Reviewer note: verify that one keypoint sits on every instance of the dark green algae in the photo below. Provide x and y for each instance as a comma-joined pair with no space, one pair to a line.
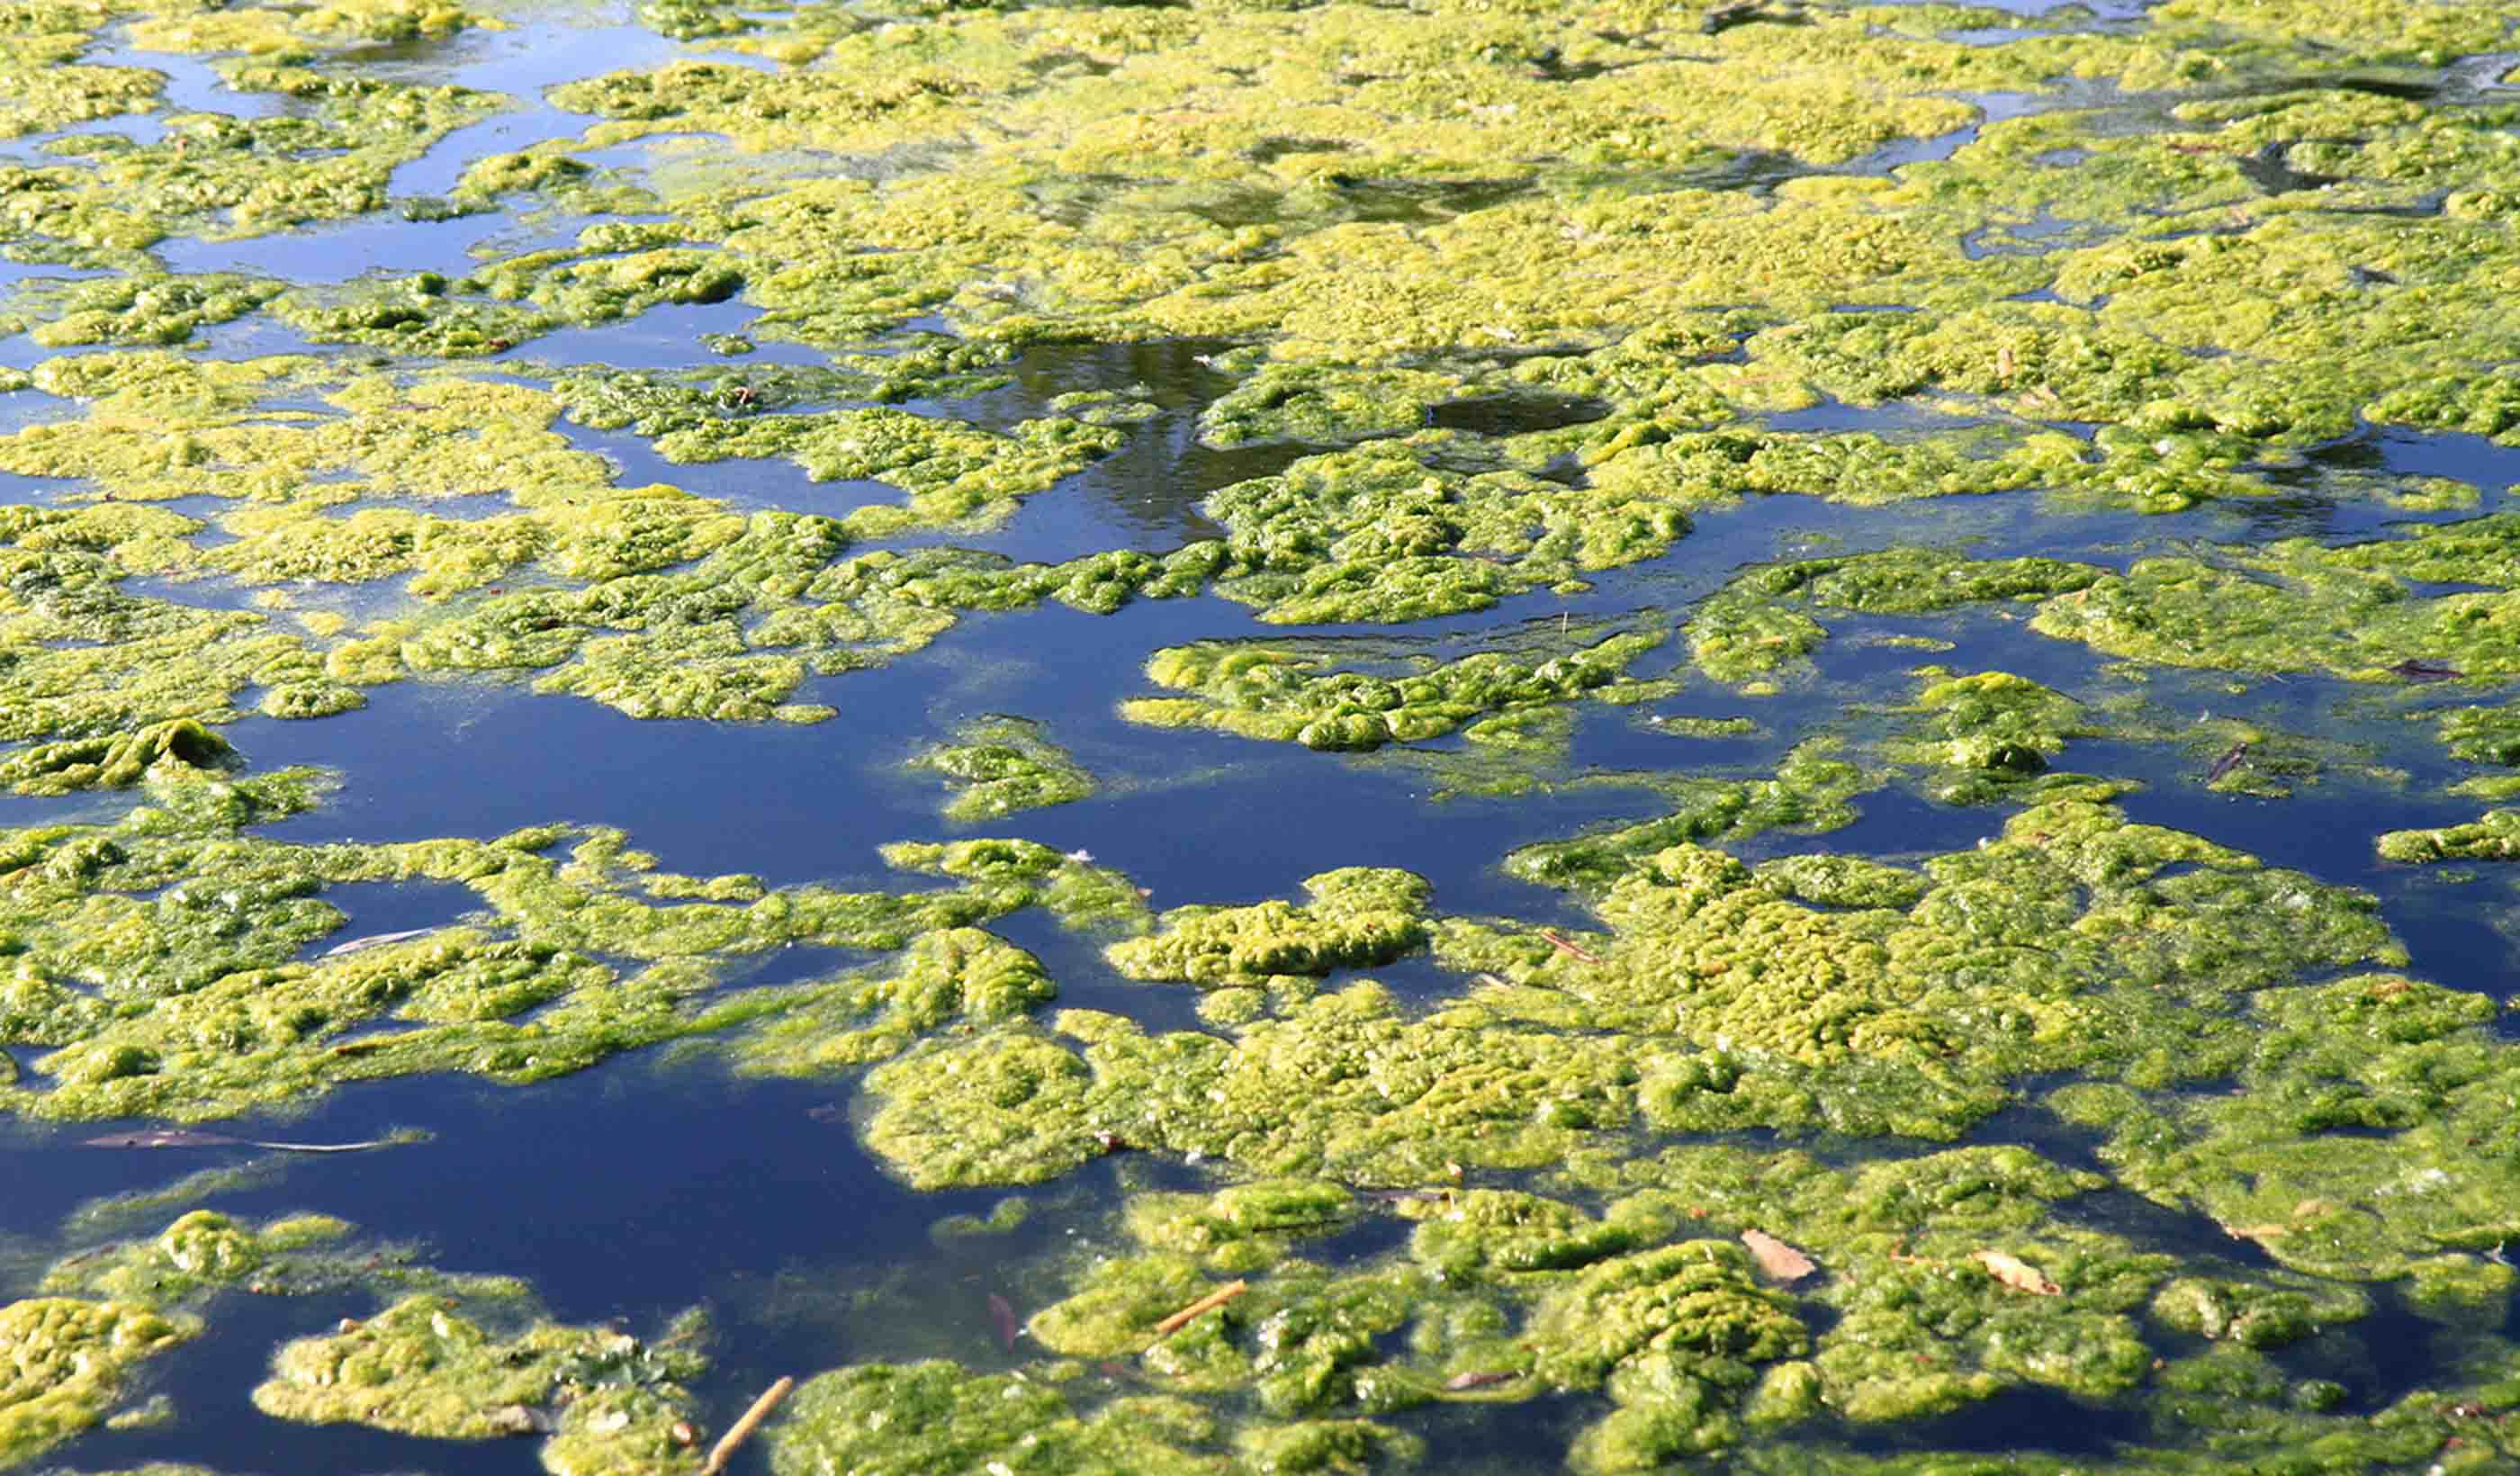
450,1357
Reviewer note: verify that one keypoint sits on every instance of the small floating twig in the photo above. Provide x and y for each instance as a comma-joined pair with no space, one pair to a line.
376,940
1209,1303
184,1137
1564,947
742,1430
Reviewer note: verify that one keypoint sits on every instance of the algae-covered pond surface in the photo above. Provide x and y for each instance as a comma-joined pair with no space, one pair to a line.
1259,736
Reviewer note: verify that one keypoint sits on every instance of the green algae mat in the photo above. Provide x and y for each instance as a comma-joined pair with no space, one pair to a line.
1247,737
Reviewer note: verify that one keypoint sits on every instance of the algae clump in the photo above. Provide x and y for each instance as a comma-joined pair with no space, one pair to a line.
67,1362
1005,764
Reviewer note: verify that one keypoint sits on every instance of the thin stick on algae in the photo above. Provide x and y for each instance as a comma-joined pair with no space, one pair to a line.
742,1430
1565,947
1209,1303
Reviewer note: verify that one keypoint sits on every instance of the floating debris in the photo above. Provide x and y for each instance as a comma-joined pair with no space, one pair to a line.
742,1430
1564,947
1777,1261
376,940
2016,1273
188,1137
1209,1303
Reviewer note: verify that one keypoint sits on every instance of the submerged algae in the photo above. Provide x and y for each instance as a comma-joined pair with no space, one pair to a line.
1758,625
1005,764
2353,1148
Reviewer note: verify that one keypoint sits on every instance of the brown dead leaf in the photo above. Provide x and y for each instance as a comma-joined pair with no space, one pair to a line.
1777,1261
2016,1273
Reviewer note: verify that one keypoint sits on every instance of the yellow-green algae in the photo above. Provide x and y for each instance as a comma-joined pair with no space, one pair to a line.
760,603
329,155
1713,1000
160,959
961,976
1505,1295
2347,1151
425,1365
1355,917
1377,197
67,1352
935,1416
1003,764
66,1360
422,1367
202,1252
1280,690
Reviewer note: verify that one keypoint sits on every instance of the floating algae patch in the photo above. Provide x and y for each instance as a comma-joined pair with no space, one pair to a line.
1320,405
138,309
1384,532
273,34
158,960
1282,690
937,1415
1812,789
202,1253
1527,297
1988,734
2494,835
1002,765
67,1362
1715,1001
424,1368
765,599
960,976
2346,1151
329,154
117,762
1760,624
698,402
429,1365
2289,609
1356,917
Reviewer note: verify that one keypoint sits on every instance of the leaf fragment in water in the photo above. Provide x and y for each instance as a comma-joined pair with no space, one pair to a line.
2016,1273
1777,1261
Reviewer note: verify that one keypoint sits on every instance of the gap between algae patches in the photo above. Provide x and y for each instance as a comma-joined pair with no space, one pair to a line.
2030,459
